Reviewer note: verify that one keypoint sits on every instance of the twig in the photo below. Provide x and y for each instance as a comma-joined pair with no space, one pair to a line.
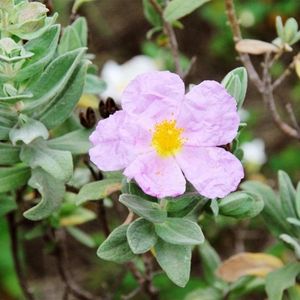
145,282
103,218
64,269
168,28
237,36
191,65
285,74
264,86
268,97
129,218
13,230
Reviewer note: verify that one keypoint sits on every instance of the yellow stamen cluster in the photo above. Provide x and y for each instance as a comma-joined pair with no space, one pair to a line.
166,138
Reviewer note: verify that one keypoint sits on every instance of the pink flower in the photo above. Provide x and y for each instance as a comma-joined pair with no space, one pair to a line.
163,136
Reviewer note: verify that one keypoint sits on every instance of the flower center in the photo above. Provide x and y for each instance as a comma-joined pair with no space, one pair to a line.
166,138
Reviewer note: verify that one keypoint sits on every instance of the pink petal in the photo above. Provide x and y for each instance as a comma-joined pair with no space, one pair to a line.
156,94
209,115
213,171
159,177
116,142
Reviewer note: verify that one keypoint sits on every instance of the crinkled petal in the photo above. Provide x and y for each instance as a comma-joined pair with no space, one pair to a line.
116,142
213,171
209,115
159,177
157,94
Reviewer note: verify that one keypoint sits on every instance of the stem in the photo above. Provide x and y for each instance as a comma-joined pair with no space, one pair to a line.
13,230
103,218
64,269
269,99
264,86
172,37
286,73
237,36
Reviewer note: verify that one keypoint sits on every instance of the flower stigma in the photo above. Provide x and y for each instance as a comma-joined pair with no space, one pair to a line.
167,138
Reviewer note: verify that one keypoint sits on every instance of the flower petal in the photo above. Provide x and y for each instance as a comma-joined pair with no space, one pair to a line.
213,171
116,142
156,91
159,177
209,115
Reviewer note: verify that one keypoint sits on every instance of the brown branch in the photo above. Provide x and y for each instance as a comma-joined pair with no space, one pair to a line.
102,216
264,86
286,73
237,36
268,97
145,282
168,28
64,269
13,230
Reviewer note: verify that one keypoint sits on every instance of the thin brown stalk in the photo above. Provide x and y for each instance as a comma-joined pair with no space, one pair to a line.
169,31
285,74
264,85
237,36
64,270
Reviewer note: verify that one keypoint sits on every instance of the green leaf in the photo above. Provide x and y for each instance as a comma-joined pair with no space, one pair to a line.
241,205
27,130
81,27
115,247
77,4
294,243
7,205
272,212
297,200
279,27
77,142
290,30
180,232
69,41
4,132
141,236
206,293
53,80
287,195
214,206
94,85
44,48
81,237
98,190
175,260
77,216
177,9
130,187
62,106
182,205
52,191
56,162
9,154
235,82
210,262
13,178
281,279
149,210
151,14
